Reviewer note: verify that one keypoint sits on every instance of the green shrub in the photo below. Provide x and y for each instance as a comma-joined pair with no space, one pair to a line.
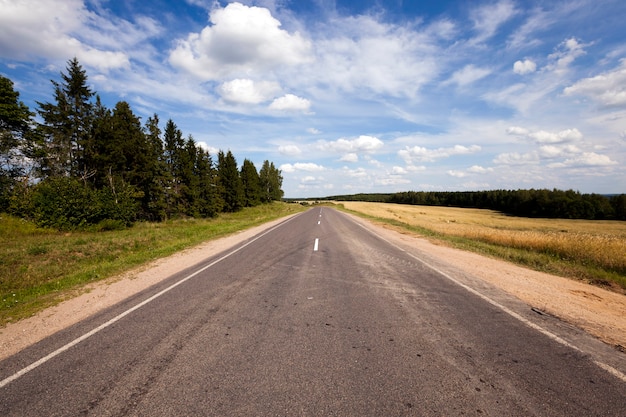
65,203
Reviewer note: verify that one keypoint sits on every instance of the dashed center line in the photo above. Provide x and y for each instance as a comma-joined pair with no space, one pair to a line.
316,245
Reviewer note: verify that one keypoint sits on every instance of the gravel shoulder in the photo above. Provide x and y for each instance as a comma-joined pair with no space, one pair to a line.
600,312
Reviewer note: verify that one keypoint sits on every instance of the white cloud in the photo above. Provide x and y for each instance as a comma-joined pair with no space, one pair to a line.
360,53
246,91
212,150
363,143
301,166
524,67
423,154
517,131
608,89
290,102
568,51
515,158
289,150
467,75
546,137
567,135
350,157
240,39
457,174
313,131
58,30
477,169
585,159
488,18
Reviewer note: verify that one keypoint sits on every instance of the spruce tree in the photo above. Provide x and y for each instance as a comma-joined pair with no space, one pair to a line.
15,126
271,181
251,185
67,124
230,182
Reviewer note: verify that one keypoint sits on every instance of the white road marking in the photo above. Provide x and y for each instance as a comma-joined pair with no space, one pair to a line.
319,221
510,312
316,246
73,343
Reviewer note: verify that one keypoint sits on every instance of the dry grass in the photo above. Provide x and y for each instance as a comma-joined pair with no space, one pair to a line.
584,249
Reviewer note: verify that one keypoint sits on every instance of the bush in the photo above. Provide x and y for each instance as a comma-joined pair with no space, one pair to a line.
68,204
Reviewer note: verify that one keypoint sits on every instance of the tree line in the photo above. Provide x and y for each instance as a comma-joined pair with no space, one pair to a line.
543,203
83,164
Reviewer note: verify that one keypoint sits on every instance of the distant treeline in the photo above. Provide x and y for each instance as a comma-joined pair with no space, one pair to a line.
524,203
85,165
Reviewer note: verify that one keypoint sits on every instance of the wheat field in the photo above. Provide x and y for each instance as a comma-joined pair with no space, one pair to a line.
587,243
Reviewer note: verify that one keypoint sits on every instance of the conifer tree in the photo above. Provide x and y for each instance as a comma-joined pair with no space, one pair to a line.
251,186
67,124
271,181
230,182
15,126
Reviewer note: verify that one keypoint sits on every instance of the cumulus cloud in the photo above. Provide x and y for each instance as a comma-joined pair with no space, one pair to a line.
477,169
246,91
517,131
419,153
515,158
240,39
363,143
290,102
58,29
585,159
302,166
457,174
567,135
350,157
607,89
524,67
289,150
546,137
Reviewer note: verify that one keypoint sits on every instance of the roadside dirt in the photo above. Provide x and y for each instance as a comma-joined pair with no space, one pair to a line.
599,312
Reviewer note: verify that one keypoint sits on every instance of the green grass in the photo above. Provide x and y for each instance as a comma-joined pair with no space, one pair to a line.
40,267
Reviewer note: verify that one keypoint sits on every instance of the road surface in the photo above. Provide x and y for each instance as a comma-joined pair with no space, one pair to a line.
317,316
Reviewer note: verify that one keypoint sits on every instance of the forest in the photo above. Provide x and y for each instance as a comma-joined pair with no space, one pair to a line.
542,203
76,164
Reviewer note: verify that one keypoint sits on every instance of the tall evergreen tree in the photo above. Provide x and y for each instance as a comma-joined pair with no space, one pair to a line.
230,182
67,124
208,202
251,185
271,181
173,148
15,125
153,202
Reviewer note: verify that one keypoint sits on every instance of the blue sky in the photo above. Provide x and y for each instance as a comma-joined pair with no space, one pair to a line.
355,96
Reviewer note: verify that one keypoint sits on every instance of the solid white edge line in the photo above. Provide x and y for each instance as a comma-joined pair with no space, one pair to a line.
527,322
74,342
316,245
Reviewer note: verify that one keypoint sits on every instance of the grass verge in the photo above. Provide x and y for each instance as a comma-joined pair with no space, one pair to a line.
40,267
591,251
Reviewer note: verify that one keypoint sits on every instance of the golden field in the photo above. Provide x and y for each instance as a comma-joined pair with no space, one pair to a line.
585,249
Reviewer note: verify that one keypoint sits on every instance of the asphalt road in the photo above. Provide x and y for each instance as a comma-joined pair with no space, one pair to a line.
316,317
